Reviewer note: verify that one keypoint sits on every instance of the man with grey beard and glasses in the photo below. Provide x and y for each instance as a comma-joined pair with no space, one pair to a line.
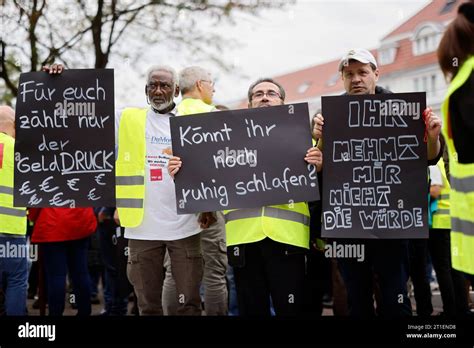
146,203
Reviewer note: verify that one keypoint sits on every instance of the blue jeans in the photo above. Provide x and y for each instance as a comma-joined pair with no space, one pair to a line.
59,258
14,274
233,306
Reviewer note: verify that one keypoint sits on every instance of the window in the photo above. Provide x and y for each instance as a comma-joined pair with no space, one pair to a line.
303,87
416,86
387,53
424,84
433,84
333,80
447,7
426,39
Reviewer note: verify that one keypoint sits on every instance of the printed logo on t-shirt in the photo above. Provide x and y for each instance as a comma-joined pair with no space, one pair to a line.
160,140
156,174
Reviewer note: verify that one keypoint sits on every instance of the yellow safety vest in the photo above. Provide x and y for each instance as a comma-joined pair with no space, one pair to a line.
12,219
286,223
130,167
441,217
462,186
189,106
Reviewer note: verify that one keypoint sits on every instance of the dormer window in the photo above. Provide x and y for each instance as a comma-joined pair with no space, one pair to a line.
387,54
333,79
303,87
448,6
426,39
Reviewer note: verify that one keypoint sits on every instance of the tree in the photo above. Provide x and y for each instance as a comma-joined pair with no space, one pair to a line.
68,30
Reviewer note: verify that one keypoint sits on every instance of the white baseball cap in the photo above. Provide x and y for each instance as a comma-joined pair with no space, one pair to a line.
359,54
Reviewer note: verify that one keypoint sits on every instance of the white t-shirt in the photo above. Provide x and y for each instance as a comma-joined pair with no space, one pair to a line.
435,175
160,221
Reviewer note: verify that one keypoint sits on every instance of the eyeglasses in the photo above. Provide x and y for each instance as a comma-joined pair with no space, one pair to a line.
270,94
153,86
210,82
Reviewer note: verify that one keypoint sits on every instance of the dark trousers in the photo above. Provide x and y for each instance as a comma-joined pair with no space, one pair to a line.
59,258
115,272
451,282
317,282
388,261
267,269
418,249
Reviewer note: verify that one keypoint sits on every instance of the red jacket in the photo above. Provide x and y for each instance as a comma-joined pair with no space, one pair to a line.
61,224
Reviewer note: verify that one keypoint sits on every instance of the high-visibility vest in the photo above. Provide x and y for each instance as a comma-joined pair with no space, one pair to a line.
189,106
130,167
12,219
441,217
286,223
462,186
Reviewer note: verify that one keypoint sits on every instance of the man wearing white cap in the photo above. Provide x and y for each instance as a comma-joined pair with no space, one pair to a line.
385,259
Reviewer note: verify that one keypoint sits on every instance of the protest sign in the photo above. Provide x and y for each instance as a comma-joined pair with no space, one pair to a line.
375,166
65,146
243,158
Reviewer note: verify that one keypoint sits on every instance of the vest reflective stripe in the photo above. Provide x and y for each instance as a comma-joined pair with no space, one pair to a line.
278,222
130,180
129,203
442,217
130,167
442,211
286,215
270,212
12,219
463,225
6,190
462,186
13,212
190,106
242,214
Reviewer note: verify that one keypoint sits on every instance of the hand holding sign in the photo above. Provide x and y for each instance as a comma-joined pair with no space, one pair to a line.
314,156
53,69
174,164
318,123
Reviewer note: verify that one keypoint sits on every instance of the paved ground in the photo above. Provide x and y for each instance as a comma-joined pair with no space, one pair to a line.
97,308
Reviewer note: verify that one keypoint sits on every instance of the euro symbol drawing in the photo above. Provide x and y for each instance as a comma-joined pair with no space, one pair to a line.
98,179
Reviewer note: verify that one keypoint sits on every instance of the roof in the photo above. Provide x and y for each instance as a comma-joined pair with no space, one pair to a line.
310,82
324,79
433,12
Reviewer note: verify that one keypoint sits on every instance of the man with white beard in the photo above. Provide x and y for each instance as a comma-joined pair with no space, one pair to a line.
146,203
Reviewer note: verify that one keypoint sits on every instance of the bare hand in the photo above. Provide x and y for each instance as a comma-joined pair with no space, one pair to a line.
116,217
174,164
206,219
102,216
318,122
53,69
433,124
314,156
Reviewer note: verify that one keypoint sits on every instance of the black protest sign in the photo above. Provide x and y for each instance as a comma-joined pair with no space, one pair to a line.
65,143
243,158
375,166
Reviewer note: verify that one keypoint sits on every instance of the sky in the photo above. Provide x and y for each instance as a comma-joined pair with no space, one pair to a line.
276,42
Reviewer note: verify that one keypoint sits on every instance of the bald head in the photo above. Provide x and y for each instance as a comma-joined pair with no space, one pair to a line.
7,120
